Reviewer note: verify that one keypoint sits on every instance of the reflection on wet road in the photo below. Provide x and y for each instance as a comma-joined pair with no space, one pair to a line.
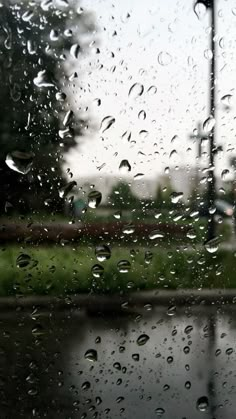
140,365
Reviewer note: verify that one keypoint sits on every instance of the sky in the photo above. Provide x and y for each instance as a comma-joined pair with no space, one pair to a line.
162,48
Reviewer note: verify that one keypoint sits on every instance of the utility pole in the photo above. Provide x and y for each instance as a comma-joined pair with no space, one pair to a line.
211,184
211,174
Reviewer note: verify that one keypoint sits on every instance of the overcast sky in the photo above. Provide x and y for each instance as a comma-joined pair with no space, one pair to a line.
161,44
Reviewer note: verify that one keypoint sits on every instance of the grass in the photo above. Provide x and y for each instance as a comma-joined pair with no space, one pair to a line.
66,270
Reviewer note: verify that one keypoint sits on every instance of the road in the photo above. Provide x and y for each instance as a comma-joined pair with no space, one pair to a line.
188,353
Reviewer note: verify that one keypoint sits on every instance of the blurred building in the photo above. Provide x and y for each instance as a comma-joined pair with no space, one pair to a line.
183,179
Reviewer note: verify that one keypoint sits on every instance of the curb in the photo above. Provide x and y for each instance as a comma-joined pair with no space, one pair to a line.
114,303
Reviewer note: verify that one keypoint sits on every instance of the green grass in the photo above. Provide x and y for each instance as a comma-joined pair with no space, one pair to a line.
67,270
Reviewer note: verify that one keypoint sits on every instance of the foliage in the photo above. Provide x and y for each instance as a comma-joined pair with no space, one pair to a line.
35,45
60,271
122,197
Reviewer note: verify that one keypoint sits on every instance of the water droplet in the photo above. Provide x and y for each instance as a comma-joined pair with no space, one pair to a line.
124,166
152,90
91,355
202,404
164,58
176,197
46,4
20,161
117,215
54,35
209,124
43,80
143,134
155,234
97,101
128,229
208,54
142,115
138,176
227,100
187,385
191,234
224,174
170,359
148,257
212,245
23,260
188,329
65,190
142,339
106,123
171,311
117,366
135,357
94,199
31,48
160,412
102,253
200,9
60,96
68,117
229,351
27,16
126,136
62,3
97,271
123,266
74,50
136,90
86,385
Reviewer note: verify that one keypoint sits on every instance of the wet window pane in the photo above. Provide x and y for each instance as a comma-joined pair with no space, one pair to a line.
117,211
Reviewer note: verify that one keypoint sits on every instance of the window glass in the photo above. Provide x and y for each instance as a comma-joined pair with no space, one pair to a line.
117,229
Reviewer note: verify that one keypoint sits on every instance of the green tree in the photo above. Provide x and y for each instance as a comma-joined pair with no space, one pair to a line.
122,197
36,39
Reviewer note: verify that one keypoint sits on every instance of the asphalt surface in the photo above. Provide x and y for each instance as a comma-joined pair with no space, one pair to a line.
172,362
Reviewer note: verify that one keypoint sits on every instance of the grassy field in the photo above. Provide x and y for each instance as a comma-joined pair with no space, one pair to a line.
67,270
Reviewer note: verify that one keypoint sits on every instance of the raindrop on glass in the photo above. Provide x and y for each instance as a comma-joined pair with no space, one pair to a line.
124,166
123,266
199,9
142,115
74,51
176,197
102,253
65,190
97,271
148,257
142,339
20,161
43,80
106,123
136,90
155,234
23,260
226,100
209,124
212,245
164,58
202,404
160,412
91,355
94,199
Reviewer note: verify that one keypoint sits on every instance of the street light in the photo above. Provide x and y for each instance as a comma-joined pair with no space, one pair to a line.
210,5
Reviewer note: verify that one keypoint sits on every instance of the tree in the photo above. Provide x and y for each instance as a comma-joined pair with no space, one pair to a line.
122,197
36,123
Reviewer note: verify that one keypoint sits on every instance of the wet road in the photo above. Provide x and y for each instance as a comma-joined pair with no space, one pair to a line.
189,354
